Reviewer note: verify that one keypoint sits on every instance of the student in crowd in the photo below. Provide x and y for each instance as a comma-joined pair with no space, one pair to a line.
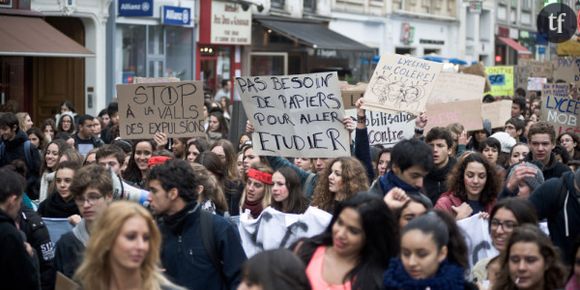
71,154
137,167
195,147
505,216
66,107
274,270
383,161
178,147
530,262
407,208
434,183
91,157
97,128
305,163
478,137
104,118
542,139
411,161
217,126
49,129
173,195
257,193
50,159
457,130
37,138
287,195
111,157
529,183
342,179
18,268
571,142
473,187
210,194
123,251
24,121
231,182
519,153
515,128
60,204
92,191
66,123
113,111
490,149
557,200
433,256
85,140
354,250
518,107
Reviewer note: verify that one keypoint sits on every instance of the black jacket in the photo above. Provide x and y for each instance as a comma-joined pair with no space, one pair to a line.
56,207
38,237
435,183
17,268
561,206
13,150
68,254
185,259
553,169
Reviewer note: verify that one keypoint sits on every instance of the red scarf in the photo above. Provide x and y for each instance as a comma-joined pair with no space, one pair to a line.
255,207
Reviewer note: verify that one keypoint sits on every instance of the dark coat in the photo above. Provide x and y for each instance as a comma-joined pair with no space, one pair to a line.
37,235
186,261
14,150
435,183
68,254
56,207
17,267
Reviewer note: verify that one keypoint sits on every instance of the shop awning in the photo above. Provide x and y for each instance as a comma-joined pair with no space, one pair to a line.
30,36
315,35
515,45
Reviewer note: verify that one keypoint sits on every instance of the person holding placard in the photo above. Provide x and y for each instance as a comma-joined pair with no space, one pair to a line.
137,167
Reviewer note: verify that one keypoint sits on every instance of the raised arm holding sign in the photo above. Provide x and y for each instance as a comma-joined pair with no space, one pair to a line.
296,115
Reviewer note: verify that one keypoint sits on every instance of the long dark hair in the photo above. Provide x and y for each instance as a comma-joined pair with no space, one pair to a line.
132,173
297,202
522,209
380,243
276,270
456,180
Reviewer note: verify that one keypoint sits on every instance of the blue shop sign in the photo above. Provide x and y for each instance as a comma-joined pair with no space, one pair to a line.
179,16
134,8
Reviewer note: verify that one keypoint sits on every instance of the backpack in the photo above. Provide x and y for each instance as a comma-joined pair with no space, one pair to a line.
27,154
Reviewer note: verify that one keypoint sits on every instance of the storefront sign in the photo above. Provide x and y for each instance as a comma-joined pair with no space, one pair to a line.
295,115
174,108
178,16
230,24
133,8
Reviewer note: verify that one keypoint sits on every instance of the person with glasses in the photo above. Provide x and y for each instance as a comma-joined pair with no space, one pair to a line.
92,191
505,216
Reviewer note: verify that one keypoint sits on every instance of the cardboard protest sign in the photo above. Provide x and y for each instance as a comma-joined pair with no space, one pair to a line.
401,83
497,112
501,79
477,238
567,69
527,68
387,129
456,98
562,112
174,108
479,70
296,115
274,229
555,90
350,94
536,84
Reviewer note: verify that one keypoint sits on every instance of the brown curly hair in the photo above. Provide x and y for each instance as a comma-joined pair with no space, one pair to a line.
456,180
354,180
555,271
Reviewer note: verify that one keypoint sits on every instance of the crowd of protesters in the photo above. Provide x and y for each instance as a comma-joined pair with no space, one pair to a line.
395,211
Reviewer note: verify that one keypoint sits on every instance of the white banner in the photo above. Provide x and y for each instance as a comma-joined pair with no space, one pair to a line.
274,229
479,245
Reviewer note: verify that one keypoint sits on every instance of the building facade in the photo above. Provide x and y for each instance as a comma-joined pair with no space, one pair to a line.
515,31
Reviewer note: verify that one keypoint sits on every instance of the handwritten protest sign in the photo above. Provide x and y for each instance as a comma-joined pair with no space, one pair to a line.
456,98
501,79
387,129
567,69
350,94
477,238
274,229
527,68
296,115
497,112
562,112
555,90
536,84
174,108
401,83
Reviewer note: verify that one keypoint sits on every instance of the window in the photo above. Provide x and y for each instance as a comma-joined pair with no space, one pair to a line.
526,5
513,16
502,12
309,6
278,4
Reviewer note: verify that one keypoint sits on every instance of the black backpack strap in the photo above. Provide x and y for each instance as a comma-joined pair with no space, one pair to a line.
208,240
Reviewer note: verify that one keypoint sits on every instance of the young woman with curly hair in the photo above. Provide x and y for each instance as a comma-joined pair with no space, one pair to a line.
343,178
473,187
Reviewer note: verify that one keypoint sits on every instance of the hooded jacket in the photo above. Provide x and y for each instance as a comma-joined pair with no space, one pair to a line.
14,150
559,201
553,169
17,267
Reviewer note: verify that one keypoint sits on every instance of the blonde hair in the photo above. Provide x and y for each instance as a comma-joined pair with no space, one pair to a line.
267,187
211,187
95,272
21,116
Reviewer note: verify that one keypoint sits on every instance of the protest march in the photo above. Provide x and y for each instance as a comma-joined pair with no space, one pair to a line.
427,175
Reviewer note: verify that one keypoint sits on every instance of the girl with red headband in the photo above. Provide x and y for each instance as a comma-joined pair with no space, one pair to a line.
257,192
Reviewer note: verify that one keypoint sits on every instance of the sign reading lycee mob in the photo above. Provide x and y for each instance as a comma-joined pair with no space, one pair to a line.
401,83
174,108
560,110
295,115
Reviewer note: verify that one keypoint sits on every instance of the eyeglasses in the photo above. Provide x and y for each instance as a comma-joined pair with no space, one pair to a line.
507,226
91,199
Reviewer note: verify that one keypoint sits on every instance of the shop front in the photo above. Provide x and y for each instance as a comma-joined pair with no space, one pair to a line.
507,48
